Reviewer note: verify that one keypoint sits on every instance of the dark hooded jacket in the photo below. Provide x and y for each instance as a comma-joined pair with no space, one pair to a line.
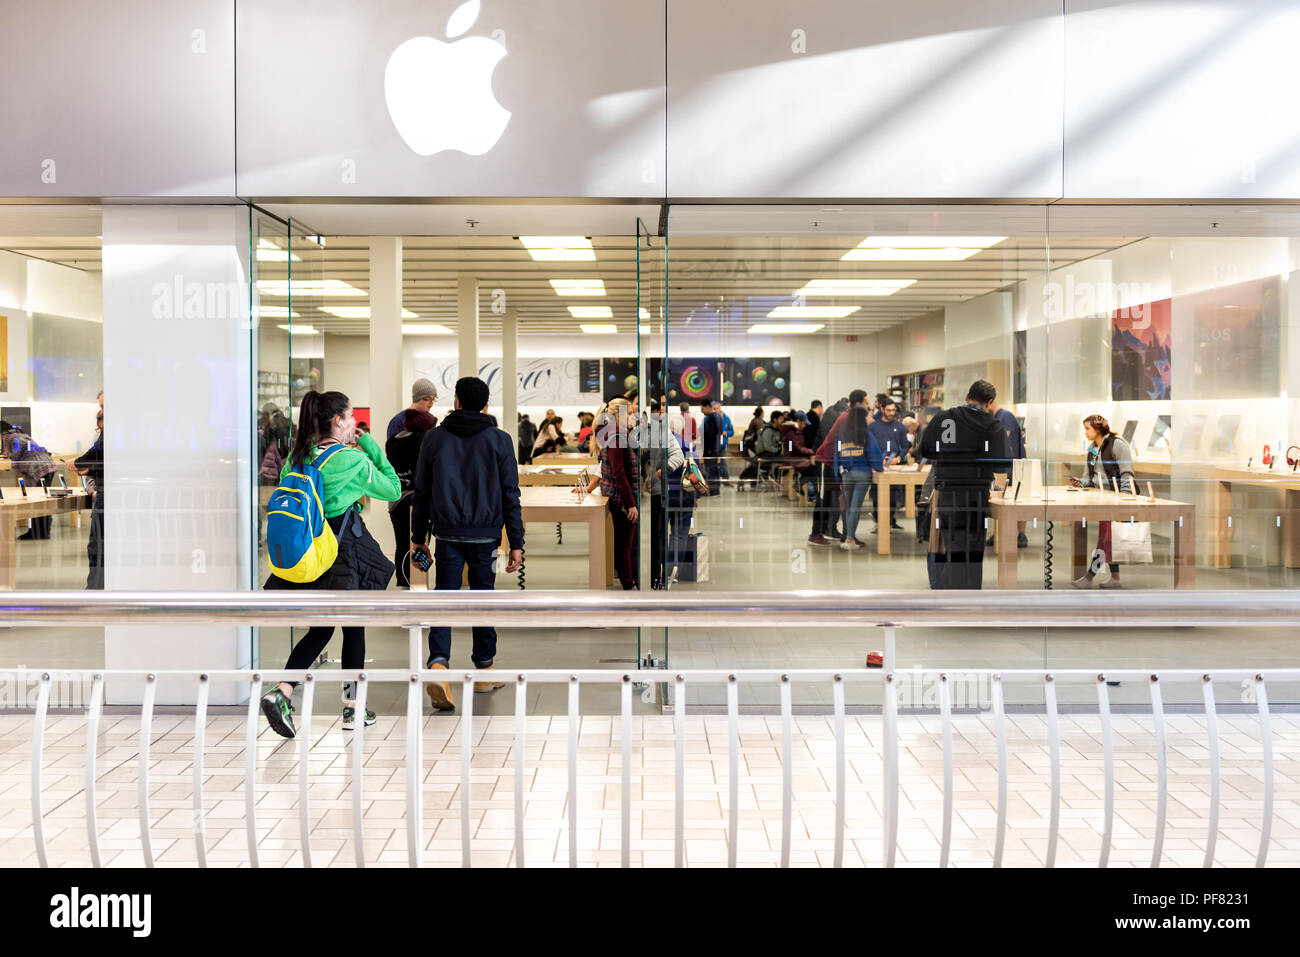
967,446
467,482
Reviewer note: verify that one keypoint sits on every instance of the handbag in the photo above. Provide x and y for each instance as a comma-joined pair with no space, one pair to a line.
1130,542
695,477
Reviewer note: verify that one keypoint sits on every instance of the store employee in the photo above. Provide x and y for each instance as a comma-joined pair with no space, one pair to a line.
890,434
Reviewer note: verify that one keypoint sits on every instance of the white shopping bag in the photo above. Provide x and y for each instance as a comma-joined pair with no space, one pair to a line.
1130,542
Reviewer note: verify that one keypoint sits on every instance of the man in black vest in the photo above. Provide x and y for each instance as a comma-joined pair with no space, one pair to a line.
966,444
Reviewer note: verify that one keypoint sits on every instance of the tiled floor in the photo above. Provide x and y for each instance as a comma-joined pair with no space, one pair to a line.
706,810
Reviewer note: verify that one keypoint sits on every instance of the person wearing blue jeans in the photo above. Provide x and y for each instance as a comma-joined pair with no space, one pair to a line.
857,455
466,491
450,558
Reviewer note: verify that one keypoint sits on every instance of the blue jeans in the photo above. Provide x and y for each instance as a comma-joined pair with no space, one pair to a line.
855,483
449,561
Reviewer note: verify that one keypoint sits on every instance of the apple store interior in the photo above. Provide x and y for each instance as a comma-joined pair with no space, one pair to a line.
1168,324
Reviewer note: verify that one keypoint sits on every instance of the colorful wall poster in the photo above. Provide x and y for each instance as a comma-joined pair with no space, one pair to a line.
757,380
1139,352
695,380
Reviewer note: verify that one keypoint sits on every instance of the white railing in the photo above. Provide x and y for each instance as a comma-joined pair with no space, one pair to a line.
680,681
886,610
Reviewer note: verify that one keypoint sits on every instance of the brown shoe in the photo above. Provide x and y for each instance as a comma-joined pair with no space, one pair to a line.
440,692
485,687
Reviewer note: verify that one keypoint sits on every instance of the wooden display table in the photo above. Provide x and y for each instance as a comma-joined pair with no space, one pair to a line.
910,477
1221,479
15,509
564,458
566,475
1078,508
554,504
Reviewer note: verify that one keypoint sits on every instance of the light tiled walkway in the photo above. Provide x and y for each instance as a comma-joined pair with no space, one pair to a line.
921,775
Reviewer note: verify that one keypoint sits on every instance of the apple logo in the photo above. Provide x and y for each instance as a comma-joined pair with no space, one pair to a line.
440,94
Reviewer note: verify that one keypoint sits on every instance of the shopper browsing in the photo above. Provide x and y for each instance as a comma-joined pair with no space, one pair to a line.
325,427
1109,464
466,491
423,394
857,455
403,452
32,462
966,445
891,435
618,484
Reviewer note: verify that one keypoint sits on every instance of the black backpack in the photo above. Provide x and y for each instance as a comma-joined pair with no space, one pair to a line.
403,451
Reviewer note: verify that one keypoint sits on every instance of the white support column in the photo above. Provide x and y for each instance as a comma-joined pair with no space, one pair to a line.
177,434
467,325
509,370
386,387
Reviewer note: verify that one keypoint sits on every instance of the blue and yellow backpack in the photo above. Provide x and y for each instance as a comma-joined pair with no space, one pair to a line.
300,543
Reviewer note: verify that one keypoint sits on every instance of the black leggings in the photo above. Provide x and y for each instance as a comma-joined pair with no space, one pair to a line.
310,645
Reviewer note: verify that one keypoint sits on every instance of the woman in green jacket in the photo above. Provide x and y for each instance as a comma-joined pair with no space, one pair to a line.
325,419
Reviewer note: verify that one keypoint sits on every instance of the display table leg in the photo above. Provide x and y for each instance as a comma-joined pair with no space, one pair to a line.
909,499
600,553
1220,533
883,487
8,554
1291,529
1185,551
1008,558
1078,550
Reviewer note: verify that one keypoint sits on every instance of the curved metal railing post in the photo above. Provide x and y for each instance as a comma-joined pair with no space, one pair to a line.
304,767
92,751
1000,728
38,747
414,771
250,768
1054,746
1108,769
945,717
146,735
787,771
1212,733
1266,744
1162,770
200,737
358,769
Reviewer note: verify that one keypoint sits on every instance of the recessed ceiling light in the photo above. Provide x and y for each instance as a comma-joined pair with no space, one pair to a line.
783,327
276,312
559,248
578,287
919,248
645,330
597,328
300,330
591,312
812,312
269,252
853,287
359,312
643,313
308,287
425,329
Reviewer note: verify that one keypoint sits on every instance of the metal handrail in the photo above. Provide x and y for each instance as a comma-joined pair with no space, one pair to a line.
890,791
855,608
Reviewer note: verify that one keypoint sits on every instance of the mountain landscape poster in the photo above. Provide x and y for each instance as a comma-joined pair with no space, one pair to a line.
1139,352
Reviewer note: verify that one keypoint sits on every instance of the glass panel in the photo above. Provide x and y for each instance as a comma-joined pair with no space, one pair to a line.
651,329
1178,338
793,310
51,374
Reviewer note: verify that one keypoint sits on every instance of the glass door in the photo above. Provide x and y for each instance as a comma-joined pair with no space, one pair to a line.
651,338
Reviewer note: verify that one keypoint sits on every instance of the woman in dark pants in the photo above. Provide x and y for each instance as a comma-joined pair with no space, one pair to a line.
618,483
325,419
403,452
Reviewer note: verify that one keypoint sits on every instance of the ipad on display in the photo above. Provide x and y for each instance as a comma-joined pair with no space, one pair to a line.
1130,428
1160,434
1225,433
1191,440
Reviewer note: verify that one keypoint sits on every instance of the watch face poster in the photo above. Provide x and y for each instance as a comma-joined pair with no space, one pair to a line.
694,380
757,380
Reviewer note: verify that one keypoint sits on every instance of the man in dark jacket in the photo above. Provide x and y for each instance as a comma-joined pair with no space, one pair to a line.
715,445
966,444
466,490
827,511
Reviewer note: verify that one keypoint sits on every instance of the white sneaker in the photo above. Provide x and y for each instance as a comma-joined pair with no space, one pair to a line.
849,545
1081,582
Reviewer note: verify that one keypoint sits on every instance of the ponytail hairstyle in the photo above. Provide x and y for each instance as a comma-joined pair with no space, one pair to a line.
1099,424
315,421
